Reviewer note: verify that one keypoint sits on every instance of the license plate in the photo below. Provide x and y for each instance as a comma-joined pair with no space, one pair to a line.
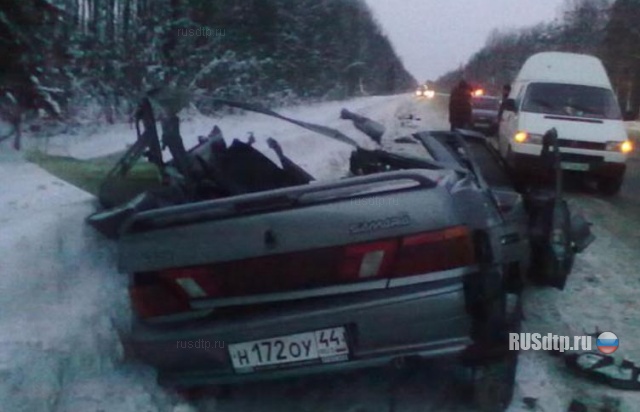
321,346
581,167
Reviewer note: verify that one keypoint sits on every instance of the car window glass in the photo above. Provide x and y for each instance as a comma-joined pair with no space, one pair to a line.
486,103
571,100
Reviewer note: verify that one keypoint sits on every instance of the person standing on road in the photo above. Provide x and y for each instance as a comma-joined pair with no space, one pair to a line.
460,106
506,91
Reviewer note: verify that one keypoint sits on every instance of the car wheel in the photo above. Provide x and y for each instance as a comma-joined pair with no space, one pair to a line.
493,379
494,384
610,186
518,176
552,252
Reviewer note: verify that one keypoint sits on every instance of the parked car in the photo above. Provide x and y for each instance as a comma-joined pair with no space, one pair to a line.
484,114
404,258
572,93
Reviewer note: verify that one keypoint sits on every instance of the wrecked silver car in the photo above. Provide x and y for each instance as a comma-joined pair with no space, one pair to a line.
404,258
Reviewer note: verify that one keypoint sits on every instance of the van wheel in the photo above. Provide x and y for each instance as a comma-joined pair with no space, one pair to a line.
610,186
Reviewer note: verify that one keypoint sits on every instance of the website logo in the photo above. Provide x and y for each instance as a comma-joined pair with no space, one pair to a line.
607,342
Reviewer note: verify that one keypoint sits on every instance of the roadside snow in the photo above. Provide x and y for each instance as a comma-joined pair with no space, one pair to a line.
63,304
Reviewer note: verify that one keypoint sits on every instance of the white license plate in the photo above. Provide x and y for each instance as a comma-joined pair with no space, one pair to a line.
581,167
321,346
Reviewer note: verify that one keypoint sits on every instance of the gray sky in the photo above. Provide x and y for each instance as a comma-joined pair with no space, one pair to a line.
433,37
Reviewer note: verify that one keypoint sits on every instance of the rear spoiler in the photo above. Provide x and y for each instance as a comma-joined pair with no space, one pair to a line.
351,188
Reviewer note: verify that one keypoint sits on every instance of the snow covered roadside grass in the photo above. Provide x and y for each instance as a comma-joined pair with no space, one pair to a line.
63,304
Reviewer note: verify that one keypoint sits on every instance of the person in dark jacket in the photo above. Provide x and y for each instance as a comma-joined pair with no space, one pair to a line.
506,91
460,106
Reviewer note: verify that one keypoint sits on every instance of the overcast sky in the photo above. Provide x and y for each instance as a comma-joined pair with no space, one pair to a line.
433,37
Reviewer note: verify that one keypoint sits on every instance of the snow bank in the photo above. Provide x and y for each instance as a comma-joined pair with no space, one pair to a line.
63,304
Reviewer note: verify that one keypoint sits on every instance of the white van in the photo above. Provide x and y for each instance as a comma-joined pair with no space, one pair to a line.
572,93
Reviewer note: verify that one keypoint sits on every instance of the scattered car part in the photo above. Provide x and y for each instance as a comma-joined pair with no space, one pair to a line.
367,126
602,368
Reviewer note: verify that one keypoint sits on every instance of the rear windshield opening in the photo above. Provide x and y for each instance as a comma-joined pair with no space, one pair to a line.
571,100
485,103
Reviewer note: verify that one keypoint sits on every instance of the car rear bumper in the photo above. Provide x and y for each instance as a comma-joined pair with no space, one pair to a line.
426,320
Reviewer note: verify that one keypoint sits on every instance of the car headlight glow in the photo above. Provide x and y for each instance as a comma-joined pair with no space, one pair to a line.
534,138
530,138
520,137
623,147
418,93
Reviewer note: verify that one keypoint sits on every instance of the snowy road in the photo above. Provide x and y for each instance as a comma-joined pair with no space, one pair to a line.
64,304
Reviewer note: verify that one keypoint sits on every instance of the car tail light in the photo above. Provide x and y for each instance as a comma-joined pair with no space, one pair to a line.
169,291
365,261
157,299
434,251
195,282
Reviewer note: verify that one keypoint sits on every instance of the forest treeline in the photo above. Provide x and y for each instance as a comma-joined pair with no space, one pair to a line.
94,58
607,29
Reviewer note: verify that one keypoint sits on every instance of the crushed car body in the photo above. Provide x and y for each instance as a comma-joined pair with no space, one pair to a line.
404,257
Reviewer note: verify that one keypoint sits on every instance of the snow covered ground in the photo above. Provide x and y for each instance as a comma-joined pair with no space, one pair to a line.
64,306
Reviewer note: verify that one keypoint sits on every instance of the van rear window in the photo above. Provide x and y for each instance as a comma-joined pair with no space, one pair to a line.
571,100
